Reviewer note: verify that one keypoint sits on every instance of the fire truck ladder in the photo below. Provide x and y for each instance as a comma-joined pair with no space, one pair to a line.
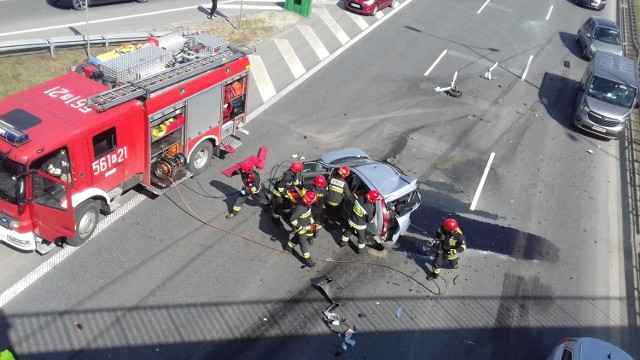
144,87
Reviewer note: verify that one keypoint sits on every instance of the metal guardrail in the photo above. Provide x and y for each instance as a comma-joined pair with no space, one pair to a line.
628,24
10,46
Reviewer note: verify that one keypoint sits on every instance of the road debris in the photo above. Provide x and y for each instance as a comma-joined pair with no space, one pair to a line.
399,311
77,325
589,151
329,288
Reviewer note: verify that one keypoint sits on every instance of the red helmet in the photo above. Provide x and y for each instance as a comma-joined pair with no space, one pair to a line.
320,181
450,225
246,166
373,195
296,166
344,171
310,197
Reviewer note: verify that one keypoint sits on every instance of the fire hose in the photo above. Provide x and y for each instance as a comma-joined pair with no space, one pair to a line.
439,292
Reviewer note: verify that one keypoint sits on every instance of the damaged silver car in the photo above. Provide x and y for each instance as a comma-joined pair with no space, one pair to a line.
400,193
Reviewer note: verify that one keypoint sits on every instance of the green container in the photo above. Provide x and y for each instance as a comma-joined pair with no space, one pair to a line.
302,7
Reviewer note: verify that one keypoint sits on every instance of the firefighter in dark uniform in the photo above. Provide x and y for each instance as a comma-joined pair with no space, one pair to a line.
58,166
337,190
449,242
302,221
251,185
361,215
317,209
291,178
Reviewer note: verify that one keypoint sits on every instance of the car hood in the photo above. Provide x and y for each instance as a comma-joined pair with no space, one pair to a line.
606,109
331,157
610,48
383,177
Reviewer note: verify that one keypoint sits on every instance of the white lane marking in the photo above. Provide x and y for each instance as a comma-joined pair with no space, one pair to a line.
549,13
526,70
362,24
333,26
260,74
56,259
314,41
290,57
482,180
322,64
482,7
221,6
436,62
379,15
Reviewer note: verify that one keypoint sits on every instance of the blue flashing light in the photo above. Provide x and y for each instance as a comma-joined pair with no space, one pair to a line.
14,136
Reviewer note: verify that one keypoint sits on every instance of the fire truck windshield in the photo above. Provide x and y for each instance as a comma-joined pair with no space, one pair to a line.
11,180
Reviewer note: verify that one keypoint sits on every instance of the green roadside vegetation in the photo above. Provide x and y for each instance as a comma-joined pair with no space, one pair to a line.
23,70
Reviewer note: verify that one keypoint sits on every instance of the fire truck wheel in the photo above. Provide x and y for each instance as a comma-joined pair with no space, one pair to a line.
200,157
87,215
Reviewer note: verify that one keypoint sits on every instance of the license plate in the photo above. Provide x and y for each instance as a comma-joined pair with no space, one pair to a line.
599,129
356,6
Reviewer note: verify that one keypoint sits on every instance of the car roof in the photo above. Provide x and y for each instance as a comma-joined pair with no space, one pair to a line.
595,349
384,177
615,67
600,21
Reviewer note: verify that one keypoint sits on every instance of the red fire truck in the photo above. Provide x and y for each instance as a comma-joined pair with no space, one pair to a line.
154,116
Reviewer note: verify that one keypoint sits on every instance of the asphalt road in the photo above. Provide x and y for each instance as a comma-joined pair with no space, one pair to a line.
546,235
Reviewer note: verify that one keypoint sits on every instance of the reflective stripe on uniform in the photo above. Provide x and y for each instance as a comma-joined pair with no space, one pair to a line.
358,210
237,208
356,226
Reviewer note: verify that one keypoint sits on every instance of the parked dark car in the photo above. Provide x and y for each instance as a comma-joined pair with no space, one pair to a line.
368,7
599,34
400,194
81,4
594,4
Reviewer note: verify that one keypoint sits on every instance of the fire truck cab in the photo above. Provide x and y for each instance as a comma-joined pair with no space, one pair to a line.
155,116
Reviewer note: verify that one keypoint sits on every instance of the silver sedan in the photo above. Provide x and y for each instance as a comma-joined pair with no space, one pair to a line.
599,34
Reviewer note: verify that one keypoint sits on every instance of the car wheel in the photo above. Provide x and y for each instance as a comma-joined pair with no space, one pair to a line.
79,4
86,216
200,157
585,52
142,1
375,11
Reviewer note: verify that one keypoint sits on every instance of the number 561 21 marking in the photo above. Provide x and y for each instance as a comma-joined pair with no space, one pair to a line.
109,161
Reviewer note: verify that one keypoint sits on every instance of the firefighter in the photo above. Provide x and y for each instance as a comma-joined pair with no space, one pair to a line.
302,223
291,178
320,188
251,185
361,215
58,166
449,242
338,189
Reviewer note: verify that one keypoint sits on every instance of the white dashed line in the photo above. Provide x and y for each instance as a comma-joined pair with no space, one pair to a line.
549,13
261,76
526,70
482,180
314,41
482,7
333,26
436,62
290,57
362,24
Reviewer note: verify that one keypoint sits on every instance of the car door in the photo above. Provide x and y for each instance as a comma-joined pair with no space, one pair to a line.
591,28
50,206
